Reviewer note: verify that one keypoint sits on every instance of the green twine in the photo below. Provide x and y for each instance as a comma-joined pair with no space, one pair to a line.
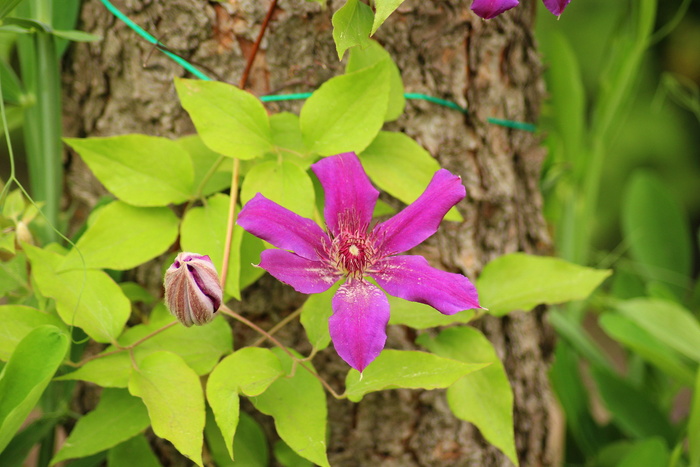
302,95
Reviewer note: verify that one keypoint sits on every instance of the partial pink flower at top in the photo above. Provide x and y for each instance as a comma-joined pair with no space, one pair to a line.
311,260
488,9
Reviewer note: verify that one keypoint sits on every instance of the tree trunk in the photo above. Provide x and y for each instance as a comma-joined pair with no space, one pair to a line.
123,85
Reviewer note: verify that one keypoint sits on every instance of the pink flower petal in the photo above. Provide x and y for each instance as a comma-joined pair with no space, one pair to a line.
306,276
358,324
421,218
283,228
556,6
347,188
412,278
488,9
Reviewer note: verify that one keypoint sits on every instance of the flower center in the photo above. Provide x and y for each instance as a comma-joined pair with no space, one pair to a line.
352,250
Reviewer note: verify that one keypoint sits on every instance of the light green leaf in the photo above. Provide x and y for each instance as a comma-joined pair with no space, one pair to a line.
642,343
26,374
401,167
372,54
520,282
13,207
122,237
346,112
250,443
229,120
6,6
694,425
249,371
284,183
212,171
133,452
138,169
286,134
649,452
420,316
16,321
287,457
173,395
76,36
117,417
484,397
406,369
658,231
351,26
667,321
200,347
383,8
111,371
203,230
314,317
88,299
298,406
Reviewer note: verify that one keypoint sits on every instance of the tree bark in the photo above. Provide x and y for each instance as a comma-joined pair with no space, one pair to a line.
122,85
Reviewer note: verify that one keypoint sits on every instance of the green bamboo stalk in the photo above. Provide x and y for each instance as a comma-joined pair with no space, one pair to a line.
42,123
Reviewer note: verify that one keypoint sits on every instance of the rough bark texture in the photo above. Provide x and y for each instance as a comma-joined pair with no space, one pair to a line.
122,85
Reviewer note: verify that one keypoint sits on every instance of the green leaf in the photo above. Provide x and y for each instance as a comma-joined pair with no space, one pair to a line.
298,405
287,457
401,167
650,452
694,425
314,317
372,54
351,26
667,321
173,395
14,204
76,36
203,230
138,169
383,8
645,345
484,397
18,449
6,6
520,282
420,316
26,374
122,237
631,408
657,230
249,371
406,369
110,371
229,120
286,134
117,417
346,112
88,299
212,171
133,452
250,443
16,321
284,183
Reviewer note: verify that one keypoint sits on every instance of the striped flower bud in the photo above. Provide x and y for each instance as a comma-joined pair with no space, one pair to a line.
192,290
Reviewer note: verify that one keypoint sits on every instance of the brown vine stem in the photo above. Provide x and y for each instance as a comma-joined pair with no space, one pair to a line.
278,326
256,45
227,311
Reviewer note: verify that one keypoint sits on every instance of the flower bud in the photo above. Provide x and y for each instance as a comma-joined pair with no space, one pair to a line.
192,290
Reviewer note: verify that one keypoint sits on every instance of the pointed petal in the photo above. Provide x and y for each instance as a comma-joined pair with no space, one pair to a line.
358,324
412,278
306,276
347,189
556,6
421,218
488,9
283,228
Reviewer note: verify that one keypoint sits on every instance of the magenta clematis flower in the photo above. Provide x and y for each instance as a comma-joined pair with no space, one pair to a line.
488,9
354,251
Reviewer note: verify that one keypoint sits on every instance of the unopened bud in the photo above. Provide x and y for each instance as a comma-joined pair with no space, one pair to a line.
192,290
